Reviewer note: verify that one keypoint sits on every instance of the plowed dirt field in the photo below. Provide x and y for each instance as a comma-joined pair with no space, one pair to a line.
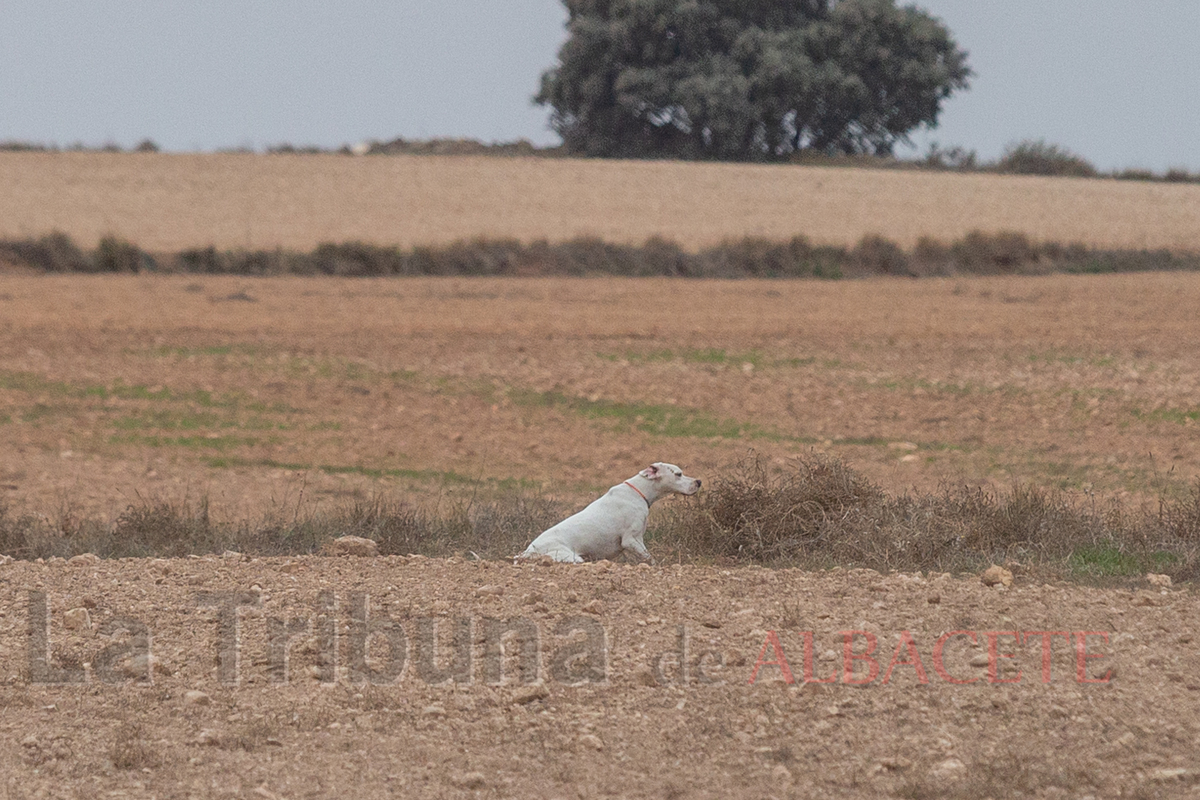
286,700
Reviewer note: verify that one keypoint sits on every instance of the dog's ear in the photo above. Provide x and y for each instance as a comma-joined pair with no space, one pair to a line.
650,471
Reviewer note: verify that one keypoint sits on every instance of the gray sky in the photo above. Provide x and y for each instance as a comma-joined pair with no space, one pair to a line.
1115,81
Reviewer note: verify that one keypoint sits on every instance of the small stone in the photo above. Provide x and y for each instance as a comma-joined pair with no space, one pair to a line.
950,769
933,599
1168,774
996,576
781,774
353,546
470,780
197,698
1161,581
138,667
591,741
594,607
77,619
208,737
980,660
528,694
489,590
645,677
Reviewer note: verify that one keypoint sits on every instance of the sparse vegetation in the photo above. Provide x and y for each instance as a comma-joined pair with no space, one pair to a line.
815,512
54,252
1042,158
977,253
492,529
819,512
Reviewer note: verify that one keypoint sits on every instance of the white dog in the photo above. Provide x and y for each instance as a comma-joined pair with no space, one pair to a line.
616,522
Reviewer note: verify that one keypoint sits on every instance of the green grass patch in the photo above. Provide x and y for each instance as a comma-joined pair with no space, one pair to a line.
447,477
207,442
709,355
31,383
1070,359
33,415
1110,561
170,420
660,420
1177,416
210,351
345,370
958,389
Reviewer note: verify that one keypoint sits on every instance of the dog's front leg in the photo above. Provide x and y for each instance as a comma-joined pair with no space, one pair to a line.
637,547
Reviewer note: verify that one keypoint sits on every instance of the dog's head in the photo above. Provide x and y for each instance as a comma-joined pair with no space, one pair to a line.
670,478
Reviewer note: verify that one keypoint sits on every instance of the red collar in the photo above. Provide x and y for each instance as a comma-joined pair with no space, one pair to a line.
639,491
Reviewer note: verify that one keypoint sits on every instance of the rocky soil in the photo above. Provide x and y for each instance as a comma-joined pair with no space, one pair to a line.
168,678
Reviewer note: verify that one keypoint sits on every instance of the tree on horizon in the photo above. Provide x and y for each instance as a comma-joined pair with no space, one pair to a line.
748,79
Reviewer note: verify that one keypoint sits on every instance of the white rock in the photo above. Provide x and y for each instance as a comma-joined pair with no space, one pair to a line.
77,619
593,607
470,780
1166,774
208,737
995,575
950,769
591,741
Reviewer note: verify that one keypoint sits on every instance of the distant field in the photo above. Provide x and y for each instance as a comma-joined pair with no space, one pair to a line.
167,202
266,391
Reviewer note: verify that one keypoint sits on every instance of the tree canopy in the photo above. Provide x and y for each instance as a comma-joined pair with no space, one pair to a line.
748,79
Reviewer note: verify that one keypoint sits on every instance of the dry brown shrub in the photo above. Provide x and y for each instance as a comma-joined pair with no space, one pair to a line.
755,513
818,512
